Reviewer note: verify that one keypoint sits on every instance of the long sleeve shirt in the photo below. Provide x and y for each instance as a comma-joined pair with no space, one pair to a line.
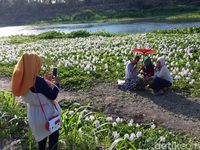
149,72
131,71
42,87
164,74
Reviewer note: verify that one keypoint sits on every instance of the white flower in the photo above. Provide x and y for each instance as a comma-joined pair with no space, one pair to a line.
192,82
119,120
92,118
87,118
139,134
188,78
184,72
162,139
188,64
106,65
97,123
130,122
153,126
177,77
71,112
114,124
109,119
132,136
58,65
115,134
126,136
137,125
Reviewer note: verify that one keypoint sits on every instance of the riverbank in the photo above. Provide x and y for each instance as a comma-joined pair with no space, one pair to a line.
21,34
168,14
159,14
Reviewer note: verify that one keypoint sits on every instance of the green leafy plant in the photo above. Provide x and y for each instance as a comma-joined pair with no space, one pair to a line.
13,121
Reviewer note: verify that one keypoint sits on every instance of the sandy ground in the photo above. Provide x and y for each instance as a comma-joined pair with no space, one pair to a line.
171,110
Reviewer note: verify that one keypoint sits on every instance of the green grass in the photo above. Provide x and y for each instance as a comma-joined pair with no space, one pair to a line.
19,39
85,128
13,120
186,30
6,70
185,17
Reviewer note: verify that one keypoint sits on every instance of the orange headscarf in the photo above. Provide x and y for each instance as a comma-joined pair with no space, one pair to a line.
25,73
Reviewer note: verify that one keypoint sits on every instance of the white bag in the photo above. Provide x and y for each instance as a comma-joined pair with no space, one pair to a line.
54,124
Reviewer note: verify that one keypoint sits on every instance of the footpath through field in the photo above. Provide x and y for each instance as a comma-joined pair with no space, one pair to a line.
171,110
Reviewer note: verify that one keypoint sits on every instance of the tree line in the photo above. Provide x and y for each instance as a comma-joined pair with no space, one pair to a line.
24,11
54,2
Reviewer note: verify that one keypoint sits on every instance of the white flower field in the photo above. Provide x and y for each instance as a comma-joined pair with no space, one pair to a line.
84,61
104,58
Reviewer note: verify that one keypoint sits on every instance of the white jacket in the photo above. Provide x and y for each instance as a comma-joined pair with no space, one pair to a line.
164,74
36,118
131,71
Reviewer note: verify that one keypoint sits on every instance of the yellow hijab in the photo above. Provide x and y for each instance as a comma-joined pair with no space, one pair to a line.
25,73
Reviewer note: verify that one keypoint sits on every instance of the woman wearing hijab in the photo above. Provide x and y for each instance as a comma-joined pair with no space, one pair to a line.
148,67
131,73
161,78
147,71
39,97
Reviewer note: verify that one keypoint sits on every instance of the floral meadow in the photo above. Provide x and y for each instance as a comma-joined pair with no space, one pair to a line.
86,60
83,128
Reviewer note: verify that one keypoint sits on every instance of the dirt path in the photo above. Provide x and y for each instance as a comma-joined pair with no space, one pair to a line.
170,110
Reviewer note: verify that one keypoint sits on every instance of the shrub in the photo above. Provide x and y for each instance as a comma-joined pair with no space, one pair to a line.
84,15
187,30
79,33
51,35
103,33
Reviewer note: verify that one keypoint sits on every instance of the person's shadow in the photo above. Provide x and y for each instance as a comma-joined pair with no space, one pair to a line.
175,103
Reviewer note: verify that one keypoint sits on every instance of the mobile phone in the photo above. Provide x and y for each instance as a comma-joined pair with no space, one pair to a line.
55,71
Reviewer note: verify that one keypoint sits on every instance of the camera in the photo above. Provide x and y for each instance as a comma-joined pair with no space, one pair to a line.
55,72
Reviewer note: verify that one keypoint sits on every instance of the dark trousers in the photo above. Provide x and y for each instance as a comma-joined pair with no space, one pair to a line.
159,83
53,141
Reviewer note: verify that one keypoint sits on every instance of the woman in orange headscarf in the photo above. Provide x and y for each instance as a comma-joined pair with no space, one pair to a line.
36,92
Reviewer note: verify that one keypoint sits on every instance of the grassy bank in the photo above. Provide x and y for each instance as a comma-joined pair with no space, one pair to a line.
160,14
84,128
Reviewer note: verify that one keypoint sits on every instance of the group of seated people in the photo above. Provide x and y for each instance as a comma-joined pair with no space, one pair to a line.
155,76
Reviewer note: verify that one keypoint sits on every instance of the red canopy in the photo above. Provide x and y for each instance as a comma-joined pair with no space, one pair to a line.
144,51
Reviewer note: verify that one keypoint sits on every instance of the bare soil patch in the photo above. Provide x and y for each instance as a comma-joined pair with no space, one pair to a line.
171,110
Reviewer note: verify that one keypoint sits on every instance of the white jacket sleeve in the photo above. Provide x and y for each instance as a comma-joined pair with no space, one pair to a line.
162,72
128,71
